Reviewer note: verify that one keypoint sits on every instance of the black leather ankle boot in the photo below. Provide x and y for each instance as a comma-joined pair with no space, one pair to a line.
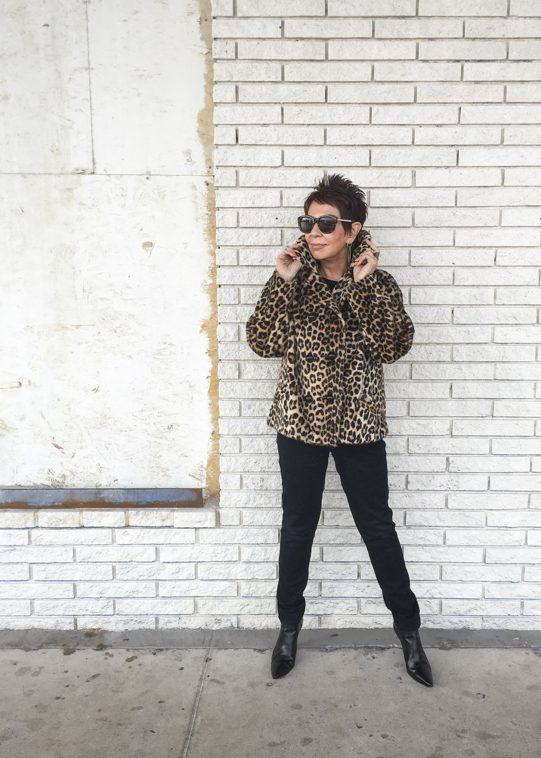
285,650
417,664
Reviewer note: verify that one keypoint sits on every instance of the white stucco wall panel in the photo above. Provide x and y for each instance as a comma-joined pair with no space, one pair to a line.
104,366
45,124
147,67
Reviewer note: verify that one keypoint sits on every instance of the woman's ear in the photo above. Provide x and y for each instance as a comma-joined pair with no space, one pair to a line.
356,227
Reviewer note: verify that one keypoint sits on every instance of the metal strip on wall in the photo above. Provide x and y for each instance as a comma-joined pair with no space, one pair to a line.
58,497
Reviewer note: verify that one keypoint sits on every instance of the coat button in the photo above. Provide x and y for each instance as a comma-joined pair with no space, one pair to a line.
331,356
310,357
333,317
312,315
329,397
308,398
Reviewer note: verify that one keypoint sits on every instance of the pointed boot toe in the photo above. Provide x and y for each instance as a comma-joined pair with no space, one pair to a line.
281,667
417,664
285,650
422,673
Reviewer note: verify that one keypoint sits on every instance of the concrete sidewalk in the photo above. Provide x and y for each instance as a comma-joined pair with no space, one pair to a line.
210,695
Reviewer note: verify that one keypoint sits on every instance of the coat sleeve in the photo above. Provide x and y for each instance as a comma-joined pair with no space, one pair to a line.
266,329
378,305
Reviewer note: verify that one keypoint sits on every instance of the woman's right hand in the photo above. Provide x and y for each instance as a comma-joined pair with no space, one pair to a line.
288,263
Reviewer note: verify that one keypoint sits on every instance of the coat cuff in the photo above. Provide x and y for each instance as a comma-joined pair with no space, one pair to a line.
281,291
369,282
377,285
373,285
282,284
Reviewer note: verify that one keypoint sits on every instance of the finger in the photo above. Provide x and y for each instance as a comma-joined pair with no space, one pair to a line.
363,256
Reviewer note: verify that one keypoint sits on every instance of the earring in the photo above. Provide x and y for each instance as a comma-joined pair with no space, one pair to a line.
349,245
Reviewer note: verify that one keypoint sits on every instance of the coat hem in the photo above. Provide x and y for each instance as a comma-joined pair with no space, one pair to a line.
313,439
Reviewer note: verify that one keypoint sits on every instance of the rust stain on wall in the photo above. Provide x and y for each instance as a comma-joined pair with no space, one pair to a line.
205,131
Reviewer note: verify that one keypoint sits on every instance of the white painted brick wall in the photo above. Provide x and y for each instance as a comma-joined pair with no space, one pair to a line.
433,108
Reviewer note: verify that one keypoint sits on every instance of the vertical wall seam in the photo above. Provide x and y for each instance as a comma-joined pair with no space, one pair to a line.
90,89
205,131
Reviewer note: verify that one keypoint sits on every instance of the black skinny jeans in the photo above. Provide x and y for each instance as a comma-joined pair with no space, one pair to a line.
363,473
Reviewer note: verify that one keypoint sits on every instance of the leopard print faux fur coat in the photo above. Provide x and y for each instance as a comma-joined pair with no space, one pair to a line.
330,387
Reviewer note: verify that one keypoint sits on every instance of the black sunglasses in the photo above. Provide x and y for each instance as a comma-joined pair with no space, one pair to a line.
326,223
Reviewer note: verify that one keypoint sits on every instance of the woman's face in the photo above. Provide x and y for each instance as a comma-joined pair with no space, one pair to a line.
329,246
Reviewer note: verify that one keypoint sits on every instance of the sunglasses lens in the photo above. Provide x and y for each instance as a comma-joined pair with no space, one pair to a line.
327,224
306,223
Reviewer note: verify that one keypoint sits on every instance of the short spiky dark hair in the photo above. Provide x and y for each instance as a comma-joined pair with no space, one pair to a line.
335,189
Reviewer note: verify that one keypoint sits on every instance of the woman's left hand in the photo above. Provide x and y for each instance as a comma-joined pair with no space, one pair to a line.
366,263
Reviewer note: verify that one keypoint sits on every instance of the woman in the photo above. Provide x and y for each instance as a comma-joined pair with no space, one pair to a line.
334,317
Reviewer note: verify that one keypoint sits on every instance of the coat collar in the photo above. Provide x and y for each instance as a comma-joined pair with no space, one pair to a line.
312,265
